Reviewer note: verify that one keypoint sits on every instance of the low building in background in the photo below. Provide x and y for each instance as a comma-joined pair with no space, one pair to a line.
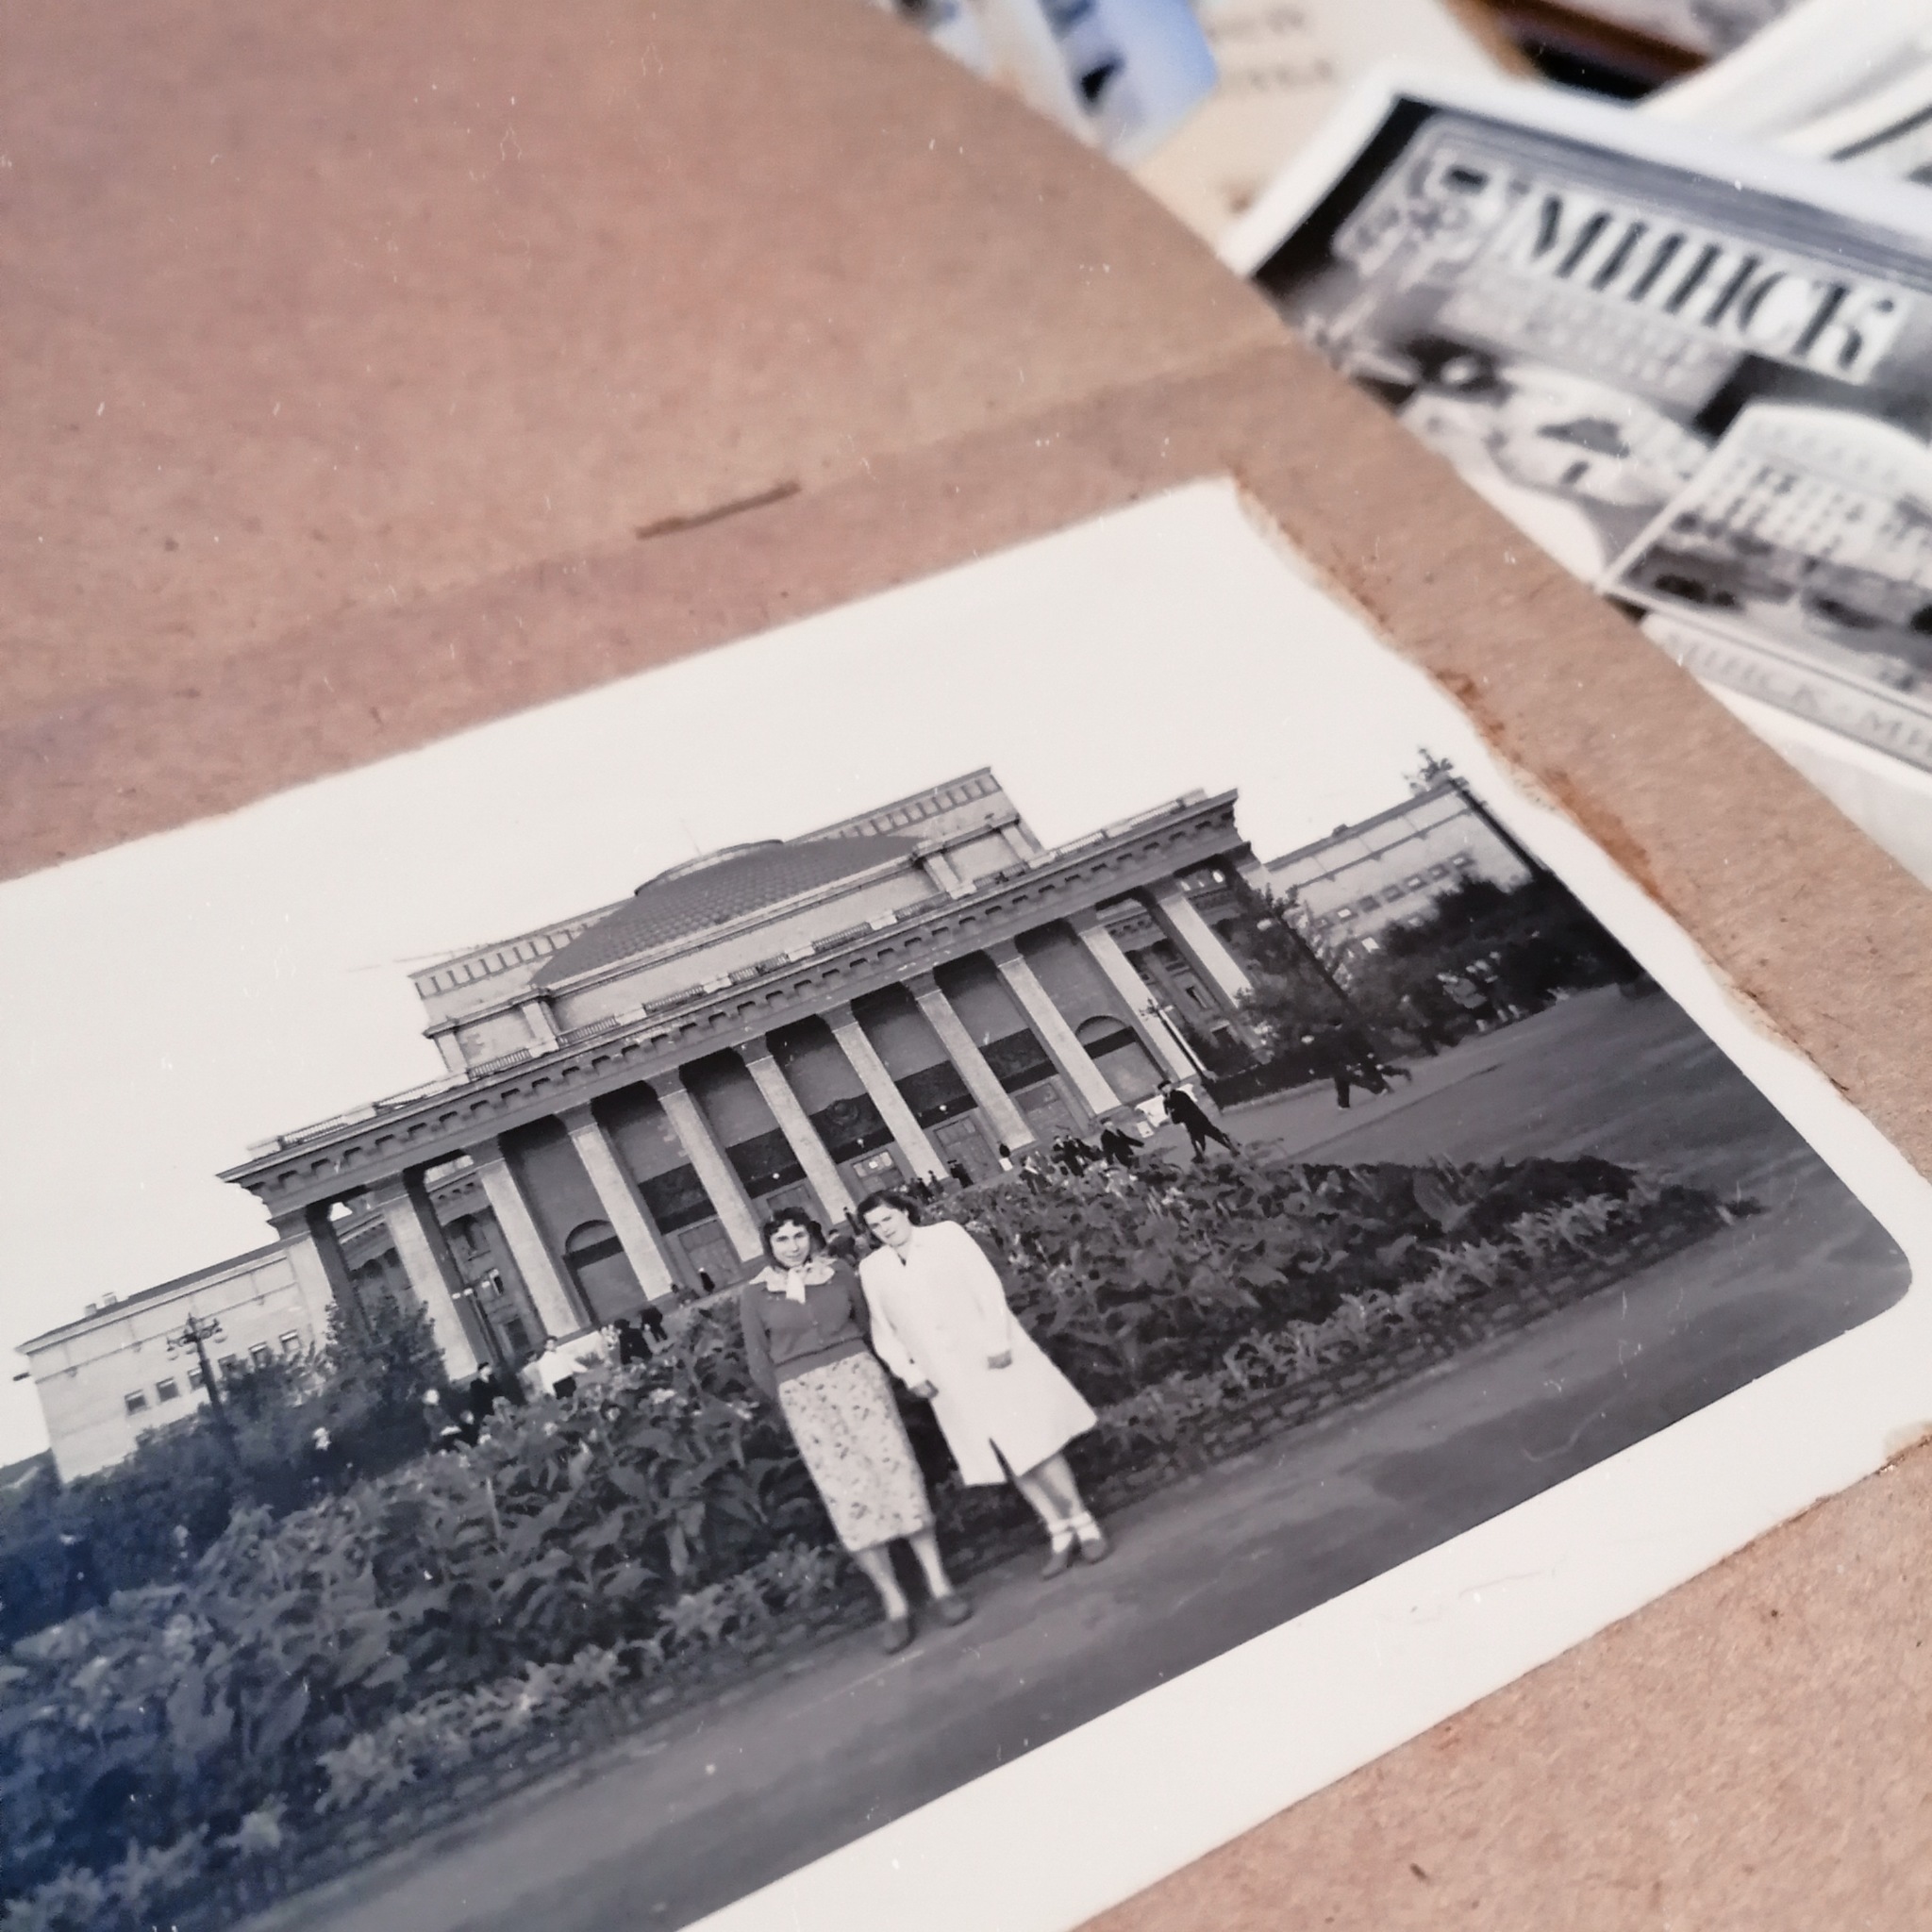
1351,887
107,1378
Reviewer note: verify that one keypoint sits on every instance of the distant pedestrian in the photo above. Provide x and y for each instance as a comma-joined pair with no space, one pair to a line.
486,1393
1186,1113
1006,1159
958,1169
706,1285
1470,997
628,1342
1118,1147
941,1324
440,1429
652,1316
1074,1154
1371,1069
555,1368
806,1323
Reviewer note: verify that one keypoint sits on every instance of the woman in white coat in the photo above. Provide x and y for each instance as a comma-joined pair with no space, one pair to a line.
941,1322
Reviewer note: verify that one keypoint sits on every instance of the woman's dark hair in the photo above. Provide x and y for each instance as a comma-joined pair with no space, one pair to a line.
890,1197
793,1217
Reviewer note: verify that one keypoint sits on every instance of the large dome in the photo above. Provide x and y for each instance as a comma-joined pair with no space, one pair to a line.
706,860
715,890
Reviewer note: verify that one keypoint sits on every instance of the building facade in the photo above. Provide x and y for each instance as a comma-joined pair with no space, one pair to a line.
631,1092
107,1379
1353,886
120,1370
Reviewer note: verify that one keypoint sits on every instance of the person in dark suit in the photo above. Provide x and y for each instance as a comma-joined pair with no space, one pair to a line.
1186,1113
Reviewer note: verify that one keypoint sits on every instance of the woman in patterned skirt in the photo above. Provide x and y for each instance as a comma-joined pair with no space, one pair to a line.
806,1337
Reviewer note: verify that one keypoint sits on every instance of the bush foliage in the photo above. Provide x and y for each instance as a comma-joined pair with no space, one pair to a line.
309,1662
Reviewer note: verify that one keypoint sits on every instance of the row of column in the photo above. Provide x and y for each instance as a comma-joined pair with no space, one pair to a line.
403,1200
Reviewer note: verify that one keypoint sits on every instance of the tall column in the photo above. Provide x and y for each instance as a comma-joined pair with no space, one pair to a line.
821,1170
1203,945
404,1205
537,1018
884,1092
1138,995
322,1276
714,1170
558,1307
618,1196
1060,1039
992,1099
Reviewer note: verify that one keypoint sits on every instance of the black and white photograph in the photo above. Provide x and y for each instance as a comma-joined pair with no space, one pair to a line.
774,1294
1693,370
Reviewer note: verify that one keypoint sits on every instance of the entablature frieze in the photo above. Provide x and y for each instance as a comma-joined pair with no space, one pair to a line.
430,1127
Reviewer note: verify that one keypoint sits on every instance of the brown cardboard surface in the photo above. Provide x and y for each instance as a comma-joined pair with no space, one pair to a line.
441,374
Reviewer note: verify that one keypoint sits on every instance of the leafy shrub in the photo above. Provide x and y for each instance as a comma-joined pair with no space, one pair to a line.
332,1656
145,1520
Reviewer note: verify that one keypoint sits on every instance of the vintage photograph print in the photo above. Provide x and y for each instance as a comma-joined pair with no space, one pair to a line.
716,1301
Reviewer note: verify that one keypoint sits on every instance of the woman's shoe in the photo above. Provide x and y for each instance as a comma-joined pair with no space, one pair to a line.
952,1607
1058,1559
1093,1546
896,1635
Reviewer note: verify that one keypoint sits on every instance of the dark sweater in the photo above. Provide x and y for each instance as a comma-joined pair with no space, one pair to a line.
784,1338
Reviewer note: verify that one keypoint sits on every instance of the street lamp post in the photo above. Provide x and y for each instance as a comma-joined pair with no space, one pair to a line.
192,1338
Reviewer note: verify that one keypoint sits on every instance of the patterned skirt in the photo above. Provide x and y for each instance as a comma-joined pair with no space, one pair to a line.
847,1428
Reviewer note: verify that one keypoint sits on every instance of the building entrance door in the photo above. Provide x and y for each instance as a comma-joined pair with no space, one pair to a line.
961,1140
882,1169
704,1246
1047,1112
606,1282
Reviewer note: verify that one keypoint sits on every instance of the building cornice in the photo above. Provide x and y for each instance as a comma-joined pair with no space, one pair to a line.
433,1123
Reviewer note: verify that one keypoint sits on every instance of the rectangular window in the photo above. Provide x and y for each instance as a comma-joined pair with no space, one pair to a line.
1439,871
292,1343
169,1391
260,1353
196,1379
230,1365
1463,860
1413,884
136,1402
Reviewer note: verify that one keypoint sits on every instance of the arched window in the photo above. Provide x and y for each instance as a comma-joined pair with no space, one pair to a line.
1115,1048
606,1283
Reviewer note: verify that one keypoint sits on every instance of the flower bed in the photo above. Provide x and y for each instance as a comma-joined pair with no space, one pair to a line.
468,1617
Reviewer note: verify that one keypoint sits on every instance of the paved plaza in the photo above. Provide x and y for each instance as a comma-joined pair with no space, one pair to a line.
676,1821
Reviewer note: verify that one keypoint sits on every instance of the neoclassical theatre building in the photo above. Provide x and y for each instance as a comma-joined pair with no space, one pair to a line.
630,1091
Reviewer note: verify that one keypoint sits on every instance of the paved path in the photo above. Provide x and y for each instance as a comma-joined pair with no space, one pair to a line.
676,1823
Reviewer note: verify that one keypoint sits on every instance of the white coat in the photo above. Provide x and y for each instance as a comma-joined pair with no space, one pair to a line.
939,1312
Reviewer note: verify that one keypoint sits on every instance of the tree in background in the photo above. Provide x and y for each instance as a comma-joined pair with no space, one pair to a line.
295,1427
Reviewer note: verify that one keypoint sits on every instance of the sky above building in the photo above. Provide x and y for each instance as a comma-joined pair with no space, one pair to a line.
164,1004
